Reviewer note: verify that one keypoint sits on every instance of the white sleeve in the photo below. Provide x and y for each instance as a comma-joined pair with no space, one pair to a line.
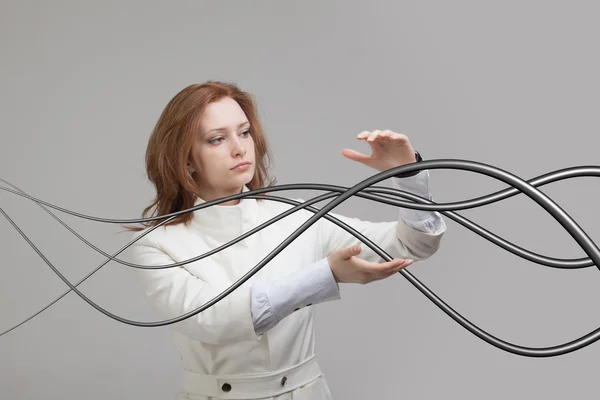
274,300
399,238
421,220
175,291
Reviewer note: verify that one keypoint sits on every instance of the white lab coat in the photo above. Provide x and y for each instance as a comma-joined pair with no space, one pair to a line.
221,340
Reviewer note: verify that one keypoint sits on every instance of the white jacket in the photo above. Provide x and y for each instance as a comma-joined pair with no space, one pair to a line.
220,345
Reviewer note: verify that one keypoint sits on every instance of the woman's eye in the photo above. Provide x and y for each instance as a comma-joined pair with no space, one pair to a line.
219,139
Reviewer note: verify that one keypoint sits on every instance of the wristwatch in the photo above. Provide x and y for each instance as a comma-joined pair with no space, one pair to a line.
412,173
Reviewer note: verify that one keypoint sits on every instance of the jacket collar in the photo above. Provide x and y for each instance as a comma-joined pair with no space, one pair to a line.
226,221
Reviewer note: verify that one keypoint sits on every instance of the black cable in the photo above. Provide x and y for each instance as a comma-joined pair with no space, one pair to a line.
563,218
477,202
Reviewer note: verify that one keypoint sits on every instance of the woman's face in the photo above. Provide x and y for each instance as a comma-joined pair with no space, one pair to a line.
221,143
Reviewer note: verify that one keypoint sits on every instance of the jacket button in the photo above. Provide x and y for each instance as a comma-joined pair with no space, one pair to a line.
283,380
226,387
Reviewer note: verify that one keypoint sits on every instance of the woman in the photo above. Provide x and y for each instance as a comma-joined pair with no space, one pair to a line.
258,342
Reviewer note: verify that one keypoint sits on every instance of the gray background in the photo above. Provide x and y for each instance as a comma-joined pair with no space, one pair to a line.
514,84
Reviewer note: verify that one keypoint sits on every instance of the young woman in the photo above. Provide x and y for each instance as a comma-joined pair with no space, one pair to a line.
258,342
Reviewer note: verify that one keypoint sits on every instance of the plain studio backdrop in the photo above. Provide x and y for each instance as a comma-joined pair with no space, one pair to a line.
513,84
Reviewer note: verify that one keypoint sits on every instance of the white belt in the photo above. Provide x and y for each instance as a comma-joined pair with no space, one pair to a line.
252,385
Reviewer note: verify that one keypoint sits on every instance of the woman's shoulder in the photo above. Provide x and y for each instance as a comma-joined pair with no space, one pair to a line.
296,218
159,235
277,206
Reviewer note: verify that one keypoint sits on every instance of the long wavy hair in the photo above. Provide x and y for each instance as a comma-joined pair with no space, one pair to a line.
171,142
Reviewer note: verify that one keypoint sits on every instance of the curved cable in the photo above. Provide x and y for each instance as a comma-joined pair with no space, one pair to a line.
477,202
560,215
561,174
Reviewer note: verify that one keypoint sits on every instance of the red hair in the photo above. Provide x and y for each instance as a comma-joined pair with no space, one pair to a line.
171,141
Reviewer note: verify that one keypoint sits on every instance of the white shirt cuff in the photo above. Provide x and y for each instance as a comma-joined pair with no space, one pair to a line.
421,220
273,301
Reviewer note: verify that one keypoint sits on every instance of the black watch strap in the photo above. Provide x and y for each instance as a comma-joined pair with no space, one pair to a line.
411,173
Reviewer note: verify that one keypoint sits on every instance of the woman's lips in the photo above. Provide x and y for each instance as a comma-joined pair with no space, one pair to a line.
242,167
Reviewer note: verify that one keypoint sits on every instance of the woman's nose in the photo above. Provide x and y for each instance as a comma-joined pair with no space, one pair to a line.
238,148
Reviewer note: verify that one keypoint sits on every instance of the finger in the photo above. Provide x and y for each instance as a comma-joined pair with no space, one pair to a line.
373,135
363,135
391,271
395,265
382,268
402,265
355,155
390,267
387,134
400,137
351,251
395,270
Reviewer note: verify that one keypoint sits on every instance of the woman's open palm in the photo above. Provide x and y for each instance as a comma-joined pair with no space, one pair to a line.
347,268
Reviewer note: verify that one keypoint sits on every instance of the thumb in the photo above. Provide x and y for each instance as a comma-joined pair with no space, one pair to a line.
356,156
351,251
